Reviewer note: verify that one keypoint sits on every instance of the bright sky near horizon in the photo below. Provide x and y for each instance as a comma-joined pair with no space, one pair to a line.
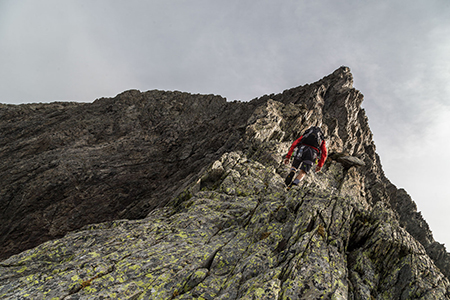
397,50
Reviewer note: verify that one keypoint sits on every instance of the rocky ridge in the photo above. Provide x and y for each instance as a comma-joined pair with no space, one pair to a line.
227,229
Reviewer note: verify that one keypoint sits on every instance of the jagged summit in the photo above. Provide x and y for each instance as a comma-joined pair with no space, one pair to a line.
168,195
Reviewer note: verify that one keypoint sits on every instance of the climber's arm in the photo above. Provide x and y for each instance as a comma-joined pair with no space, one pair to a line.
323,155
291,150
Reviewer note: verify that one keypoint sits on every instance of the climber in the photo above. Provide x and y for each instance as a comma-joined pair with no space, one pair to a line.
309,147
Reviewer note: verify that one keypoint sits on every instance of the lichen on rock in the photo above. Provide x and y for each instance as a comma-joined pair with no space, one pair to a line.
224,227
245,238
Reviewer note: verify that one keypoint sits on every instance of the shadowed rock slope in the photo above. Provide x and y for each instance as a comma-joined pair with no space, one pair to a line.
65,165
220,224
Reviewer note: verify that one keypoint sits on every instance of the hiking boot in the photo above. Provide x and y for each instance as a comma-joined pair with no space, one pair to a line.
289,178
293,183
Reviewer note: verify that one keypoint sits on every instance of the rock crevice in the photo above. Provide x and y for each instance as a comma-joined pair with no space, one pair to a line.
168,195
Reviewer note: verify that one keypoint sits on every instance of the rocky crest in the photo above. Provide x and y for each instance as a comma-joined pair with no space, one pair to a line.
167,195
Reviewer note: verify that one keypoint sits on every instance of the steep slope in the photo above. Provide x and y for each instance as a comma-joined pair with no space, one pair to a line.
232,232
65,165
243,237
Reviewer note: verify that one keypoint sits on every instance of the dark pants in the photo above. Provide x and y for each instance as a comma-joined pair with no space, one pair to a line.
305,158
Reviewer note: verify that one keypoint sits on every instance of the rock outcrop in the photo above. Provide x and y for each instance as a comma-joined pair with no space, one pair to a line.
65,165
167,195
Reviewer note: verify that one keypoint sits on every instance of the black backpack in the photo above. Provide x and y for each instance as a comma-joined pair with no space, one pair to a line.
313,137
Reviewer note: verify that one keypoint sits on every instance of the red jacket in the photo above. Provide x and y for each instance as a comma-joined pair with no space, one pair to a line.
323,151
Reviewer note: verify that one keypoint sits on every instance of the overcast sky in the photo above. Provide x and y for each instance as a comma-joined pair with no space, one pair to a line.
398,52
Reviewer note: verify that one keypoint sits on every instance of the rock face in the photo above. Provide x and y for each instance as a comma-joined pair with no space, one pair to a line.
188,199
67,165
